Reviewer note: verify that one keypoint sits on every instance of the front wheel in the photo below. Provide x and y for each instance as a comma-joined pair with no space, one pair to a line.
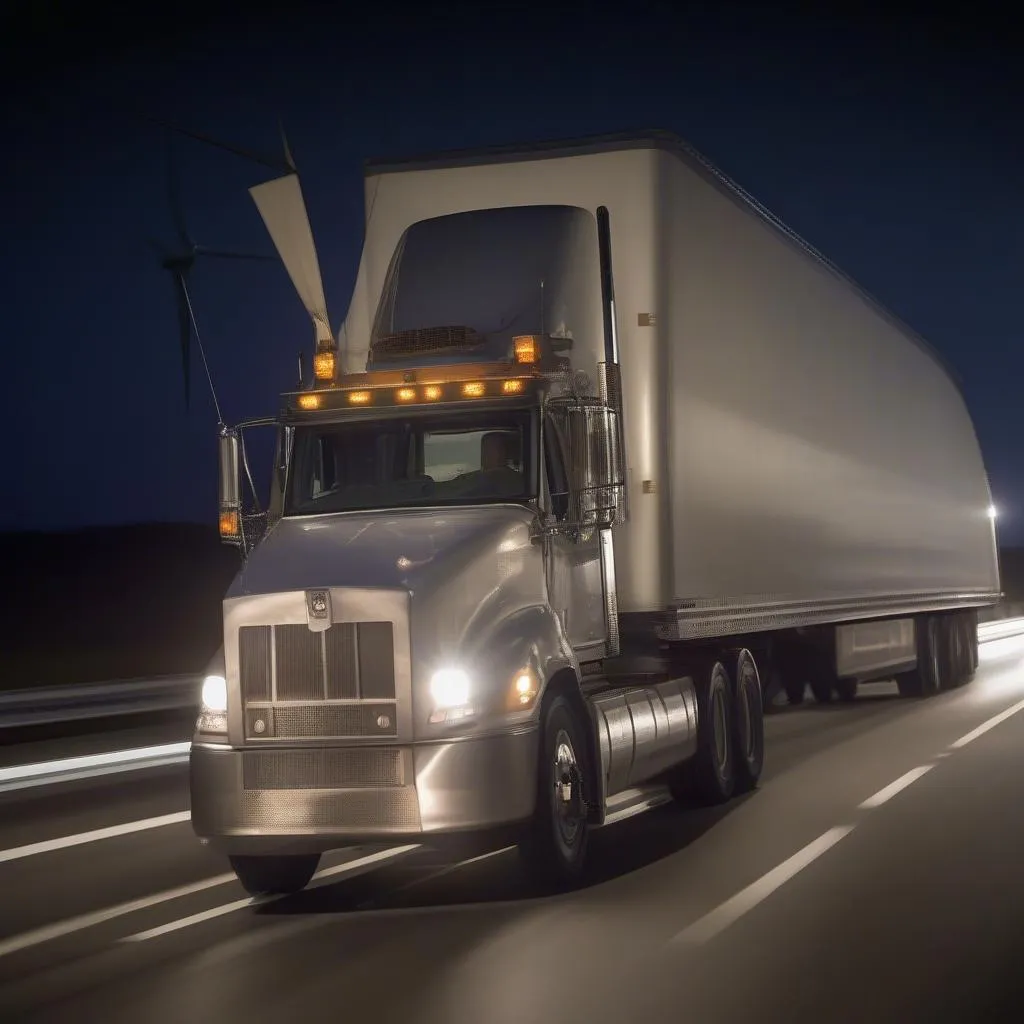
275,876
555,847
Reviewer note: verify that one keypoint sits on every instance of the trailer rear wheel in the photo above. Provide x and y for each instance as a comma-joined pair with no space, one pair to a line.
965,666
275,876
823,689
709,777
971,634
847,689
555,846
932,664
795,692
972,618
956,661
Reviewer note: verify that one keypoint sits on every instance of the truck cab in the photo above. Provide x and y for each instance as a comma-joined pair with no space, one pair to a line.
404,645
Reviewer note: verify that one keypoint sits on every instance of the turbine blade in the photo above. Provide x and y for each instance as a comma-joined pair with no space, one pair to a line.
224,254
174,197
184,331
247,154
288,159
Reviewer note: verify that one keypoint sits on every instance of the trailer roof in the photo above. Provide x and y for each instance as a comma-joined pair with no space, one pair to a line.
648,139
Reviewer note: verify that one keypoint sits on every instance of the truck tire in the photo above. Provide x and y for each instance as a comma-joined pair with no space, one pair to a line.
846,689
965,664
554,848
709,777
275,876
795,692
972,618
823,690
956,652
932,664
971,636
748,723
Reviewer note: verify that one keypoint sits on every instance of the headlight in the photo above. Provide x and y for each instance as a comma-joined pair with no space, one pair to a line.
215,694
449,688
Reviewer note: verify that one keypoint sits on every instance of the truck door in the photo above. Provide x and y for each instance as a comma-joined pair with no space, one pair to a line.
573,556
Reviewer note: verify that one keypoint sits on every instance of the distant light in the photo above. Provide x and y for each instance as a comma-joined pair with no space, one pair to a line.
993,512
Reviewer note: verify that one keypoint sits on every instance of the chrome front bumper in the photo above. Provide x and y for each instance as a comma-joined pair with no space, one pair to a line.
312,799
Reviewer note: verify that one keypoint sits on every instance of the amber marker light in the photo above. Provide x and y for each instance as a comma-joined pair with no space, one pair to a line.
526,348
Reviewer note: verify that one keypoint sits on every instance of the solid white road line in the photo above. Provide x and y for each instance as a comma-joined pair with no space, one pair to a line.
985,726
77,924
111,832
711,924
888,792
432,876
352,867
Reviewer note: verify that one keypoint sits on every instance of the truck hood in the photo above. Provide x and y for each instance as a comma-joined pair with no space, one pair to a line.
395,549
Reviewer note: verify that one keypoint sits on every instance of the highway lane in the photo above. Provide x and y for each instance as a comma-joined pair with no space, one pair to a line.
896,920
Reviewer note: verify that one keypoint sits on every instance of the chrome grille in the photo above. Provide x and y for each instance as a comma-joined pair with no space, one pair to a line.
309,721
297,684
323,768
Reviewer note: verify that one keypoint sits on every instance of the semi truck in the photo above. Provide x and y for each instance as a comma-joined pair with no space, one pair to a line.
601,450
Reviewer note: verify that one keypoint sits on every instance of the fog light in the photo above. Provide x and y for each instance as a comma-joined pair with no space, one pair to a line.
525,688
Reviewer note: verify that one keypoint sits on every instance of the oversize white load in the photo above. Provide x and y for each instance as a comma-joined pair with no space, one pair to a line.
795,454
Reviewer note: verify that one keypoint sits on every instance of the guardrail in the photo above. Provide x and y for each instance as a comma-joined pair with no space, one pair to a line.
62,705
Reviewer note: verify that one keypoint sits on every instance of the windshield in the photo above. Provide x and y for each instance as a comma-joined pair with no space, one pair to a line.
471,457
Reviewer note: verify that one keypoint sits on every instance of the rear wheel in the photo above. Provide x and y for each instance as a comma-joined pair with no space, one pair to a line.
959,655
554,848
795,692
847,689
709,777
932,664
823,689
748,724
275,876
972,619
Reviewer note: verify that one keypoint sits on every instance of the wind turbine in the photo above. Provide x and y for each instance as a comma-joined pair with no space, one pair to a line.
283,209
179,262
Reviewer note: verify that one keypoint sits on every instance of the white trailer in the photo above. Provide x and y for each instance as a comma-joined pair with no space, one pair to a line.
719,459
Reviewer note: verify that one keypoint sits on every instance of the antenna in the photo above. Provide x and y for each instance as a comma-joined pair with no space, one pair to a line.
179,262
275,164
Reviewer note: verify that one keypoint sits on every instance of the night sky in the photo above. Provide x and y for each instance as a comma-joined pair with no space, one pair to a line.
894,147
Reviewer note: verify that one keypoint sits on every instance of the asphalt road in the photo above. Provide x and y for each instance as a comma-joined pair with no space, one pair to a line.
877,875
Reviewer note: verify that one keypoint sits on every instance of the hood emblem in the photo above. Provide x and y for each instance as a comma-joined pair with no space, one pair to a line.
318,610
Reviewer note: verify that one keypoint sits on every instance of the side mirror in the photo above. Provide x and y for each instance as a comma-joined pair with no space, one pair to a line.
230,488
591,442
